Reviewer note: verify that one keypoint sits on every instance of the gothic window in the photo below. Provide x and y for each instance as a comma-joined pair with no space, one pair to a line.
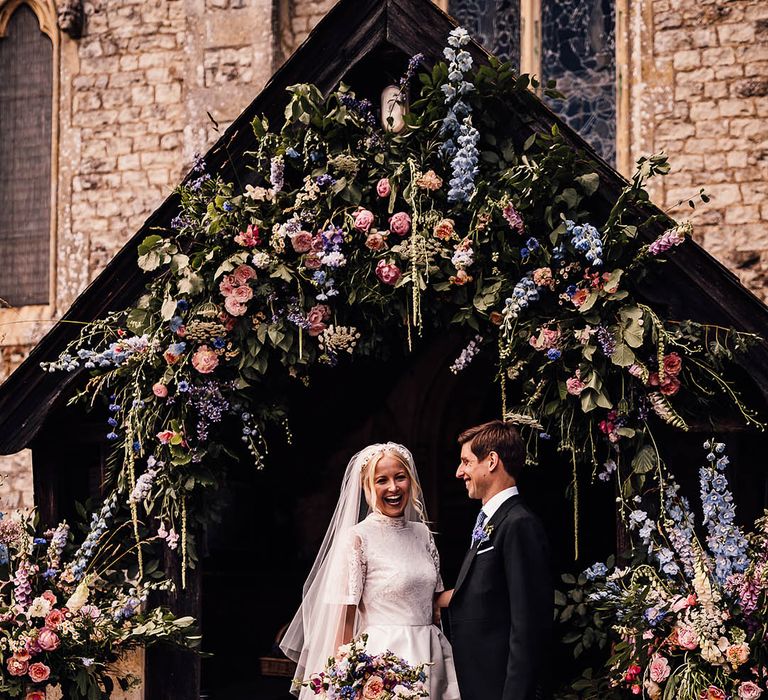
495,24
26,106
579,52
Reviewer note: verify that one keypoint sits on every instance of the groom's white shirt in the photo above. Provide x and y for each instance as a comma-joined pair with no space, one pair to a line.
494,503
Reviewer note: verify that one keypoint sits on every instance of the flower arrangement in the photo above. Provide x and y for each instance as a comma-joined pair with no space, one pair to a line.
354,674
66,617
688,617
348,234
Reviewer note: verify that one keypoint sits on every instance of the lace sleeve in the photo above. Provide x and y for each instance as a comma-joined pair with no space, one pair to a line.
356,570
439,588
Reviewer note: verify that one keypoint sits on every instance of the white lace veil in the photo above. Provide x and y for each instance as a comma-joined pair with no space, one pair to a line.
313,635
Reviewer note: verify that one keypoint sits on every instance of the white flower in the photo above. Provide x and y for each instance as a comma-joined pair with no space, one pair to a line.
261,260
79,597
333,259
40,608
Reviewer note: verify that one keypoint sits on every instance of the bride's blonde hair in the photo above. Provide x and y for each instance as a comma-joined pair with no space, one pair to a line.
368,478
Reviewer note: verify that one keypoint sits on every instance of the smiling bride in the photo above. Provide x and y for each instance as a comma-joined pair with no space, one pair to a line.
379,575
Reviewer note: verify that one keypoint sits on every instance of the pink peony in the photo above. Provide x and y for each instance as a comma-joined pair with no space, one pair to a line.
18,666
165,436
54,619
575,386
376,241
243,273
363,220
400,223
302,242
373,688
687,638
234,307
48,640
659,669
160,390
388,273
712,693
39,672
749,691
242,294
312,261
205,360
383,188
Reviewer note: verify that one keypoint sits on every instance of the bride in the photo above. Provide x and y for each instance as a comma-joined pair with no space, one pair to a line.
379,575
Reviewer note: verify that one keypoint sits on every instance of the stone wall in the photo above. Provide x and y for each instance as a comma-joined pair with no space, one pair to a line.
699,91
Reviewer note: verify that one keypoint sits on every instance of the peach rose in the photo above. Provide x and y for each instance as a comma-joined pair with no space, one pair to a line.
712,693
243,273
17,666
430,180
242,294
205,360
373,688
363,220
234,307
160,390
376,241
659,670
383,188
48,639
444,229
388,273
302,242
400,223
39,672
737,654
580,297
749,691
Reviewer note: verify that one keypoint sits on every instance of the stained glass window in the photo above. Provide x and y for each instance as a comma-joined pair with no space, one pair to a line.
495,24
26,103
579,52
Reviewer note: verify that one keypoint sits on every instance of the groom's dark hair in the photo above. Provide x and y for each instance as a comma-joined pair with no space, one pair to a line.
500,437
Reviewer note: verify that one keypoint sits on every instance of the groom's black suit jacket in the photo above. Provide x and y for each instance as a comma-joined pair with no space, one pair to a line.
502,608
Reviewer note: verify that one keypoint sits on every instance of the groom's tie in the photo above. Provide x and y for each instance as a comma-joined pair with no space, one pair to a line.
477,531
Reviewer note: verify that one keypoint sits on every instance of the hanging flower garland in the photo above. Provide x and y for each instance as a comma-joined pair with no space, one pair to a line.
348,234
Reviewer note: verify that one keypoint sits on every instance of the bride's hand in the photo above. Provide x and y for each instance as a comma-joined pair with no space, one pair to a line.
443,600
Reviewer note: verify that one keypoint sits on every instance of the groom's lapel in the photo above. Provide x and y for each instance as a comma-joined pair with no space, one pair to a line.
498,516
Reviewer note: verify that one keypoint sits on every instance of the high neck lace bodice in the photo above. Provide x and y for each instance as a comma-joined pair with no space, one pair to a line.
397,523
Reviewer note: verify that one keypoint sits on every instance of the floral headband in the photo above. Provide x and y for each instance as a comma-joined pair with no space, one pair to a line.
378,450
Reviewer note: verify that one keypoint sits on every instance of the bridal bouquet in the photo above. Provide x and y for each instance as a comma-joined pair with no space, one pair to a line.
65,619
691,620
354,674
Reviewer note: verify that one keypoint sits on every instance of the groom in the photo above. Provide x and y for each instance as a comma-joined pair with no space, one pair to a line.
502,605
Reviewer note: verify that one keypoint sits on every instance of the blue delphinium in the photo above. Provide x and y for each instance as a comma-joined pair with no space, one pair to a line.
464,163
586,240
99,524
726,541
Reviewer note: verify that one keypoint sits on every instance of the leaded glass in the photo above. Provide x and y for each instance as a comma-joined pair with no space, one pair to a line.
495,24
579,52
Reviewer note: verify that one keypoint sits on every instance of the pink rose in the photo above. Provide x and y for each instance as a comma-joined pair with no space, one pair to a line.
312,261
48,639
712,693
687,638
39,672
160,390
54,619
318,313
388,273
35,695
670,386
373,688
18,666
302,242
363,220
659,669
317,243
234,307
242,294
444,229
227,285
673,363
243,273
383,188
165,436
575,386
547,338
205,360
376,241
400,223
749,691
316,329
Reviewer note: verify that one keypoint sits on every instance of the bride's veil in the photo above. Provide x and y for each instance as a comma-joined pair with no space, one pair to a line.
313,635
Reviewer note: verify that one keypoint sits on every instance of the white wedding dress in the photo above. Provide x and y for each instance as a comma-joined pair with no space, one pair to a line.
393,574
